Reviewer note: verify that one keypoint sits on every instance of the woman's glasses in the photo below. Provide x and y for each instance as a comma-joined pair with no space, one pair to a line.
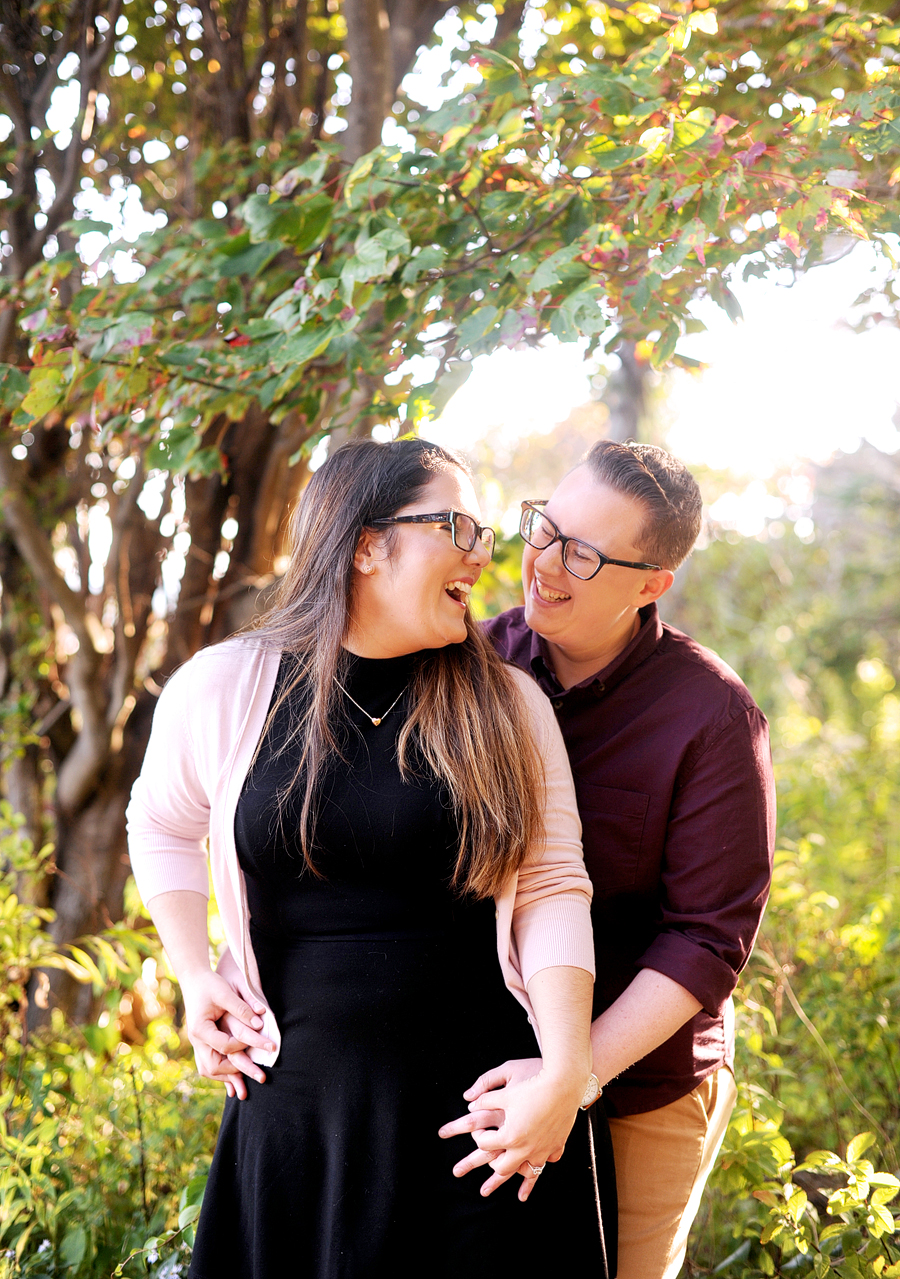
580,558
463,529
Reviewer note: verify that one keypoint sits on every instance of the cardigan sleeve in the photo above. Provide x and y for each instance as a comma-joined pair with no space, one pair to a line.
552,910
168,816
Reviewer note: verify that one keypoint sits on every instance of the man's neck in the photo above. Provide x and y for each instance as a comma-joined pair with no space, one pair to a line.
571,666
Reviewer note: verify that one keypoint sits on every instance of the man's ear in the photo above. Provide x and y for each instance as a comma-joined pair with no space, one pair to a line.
655,586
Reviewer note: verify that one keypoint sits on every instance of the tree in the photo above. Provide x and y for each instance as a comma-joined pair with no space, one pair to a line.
592,186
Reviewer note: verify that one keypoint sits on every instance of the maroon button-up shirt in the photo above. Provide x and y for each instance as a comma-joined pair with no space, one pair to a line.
673,774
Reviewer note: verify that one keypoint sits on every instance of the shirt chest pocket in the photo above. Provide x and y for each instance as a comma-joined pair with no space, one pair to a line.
613,827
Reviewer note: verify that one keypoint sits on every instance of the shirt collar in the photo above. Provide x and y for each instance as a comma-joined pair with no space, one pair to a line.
635,651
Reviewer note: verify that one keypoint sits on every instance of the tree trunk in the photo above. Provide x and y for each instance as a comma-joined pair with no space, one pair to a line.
371,67
626,396
92,864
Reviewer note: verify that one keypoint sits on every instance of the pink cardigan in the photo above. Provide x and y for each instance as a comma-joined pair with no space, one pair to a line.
206,727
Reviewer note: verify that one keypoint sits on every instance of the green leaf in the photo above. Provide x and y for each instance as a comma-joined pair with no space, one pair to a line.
456,115
194,1191
695,125
723,296
880,1221
188,1215
639,298
250,262
476,325
859,1145
13,384
549,272
360,183
183,354
173,451
47,388
303,224
83,226
73,1247
129,331
430,259
664,348
305,345
831,1232
429,401
608,156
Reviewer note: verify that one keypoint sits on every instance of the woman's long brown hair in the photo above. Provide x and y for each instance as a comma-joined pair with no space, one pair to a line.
467,719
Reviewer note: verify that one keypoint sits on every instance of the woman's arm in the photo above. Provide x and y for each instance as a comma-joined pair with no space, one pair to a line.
180,919
549,913
528,1121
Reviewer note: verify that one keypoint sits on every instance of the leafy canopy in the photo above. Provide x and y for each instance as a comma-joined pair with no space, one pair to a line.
595,193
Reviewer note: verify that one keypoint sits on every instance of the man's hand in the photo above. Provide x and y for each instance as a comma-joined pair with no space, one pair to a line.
519,1117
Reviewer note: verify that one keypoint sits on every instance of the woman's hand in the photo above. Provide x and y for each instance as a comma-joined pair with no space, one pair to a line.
180,919
519,1116
221,1026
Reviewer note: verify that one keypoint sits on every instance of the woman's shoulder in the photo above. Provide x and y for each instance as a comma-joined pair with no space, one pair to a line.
225,670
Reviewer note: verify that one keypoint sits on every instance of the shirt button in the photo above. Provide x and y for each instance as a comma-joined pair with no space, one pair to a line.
558,705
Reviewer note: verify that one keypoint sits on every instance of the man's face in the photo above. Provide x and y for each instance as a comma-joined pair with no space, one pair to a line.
585,617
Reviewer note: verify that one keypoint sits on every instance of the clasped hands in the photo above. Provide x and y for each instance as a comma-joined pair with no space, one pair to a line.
519,1118
519,1115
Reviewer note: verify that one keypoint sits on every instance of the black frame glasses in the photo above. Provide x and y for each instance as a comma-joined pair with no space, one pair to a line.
529,509
480,532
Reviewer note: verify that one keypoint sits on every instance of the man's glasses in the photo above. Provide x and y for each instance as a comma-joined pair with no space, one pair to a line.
580,558
463,529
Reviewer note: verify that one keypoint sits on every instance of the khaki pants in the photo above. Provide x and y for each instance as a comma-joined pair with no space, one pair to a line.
663,1159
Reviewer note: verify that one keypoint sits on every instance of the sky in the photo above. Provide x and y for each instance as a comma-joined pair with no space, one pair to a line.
790,381
789,384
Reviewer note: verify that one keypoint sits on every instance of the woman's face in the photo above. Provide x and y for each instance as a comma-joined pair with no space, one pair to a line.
411,584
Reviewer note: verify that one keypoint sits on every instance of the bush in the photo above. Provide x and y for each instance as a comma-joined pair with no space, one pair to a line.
105,1131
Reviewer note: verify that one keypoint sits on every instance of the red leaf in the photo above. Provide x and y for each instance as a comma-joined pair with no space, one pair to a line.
791,239
723,124
751,155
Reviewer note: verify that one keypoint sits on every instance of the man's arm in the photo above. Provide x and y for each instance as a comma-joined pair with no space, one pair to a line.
713,890
644,1016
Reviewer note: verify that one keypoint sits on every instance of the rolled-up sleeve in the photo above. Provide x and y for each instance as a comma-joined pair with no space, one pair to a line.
717,863
168,815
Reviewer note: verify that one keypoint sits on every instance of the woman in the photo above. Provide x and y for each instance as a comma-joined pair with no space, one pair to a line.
369,776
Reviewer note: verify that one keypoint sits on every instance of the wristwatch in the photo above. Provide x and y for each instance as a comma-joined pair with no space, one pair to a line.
591,1092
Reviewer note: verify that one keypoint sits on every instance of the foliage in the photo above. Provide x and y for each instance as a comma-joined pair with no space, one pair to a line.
839,1225
812,626
592,198
95,1151
587,176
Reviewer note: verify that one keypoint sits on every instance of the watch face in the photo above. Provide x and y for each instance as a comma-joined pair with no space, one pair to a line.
591,1092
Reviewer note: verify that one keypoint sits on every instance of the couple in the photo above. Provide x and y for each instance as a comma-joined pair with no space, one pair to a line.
389,807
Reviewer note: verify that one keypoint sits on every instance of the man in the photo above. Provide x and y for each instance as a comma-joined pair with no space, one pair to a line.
672,770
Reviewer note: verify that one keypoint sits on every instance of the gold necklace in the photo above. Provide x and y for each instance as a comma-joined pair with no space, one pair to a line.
372,718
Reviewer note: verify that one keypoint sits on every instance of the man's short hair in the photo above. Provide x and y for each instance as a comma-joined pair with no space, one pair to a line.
664,486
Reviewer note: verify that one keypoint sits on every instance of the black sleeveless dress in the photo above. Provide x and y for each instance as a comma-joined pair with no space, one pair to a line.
388,992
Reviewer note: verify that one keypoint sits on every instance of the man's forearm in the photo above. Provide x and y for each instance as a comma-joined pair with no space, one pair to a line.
644,1016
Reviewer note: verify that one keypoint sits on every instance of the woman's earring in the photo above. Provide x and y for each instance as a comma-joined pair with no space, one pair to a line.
368,568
